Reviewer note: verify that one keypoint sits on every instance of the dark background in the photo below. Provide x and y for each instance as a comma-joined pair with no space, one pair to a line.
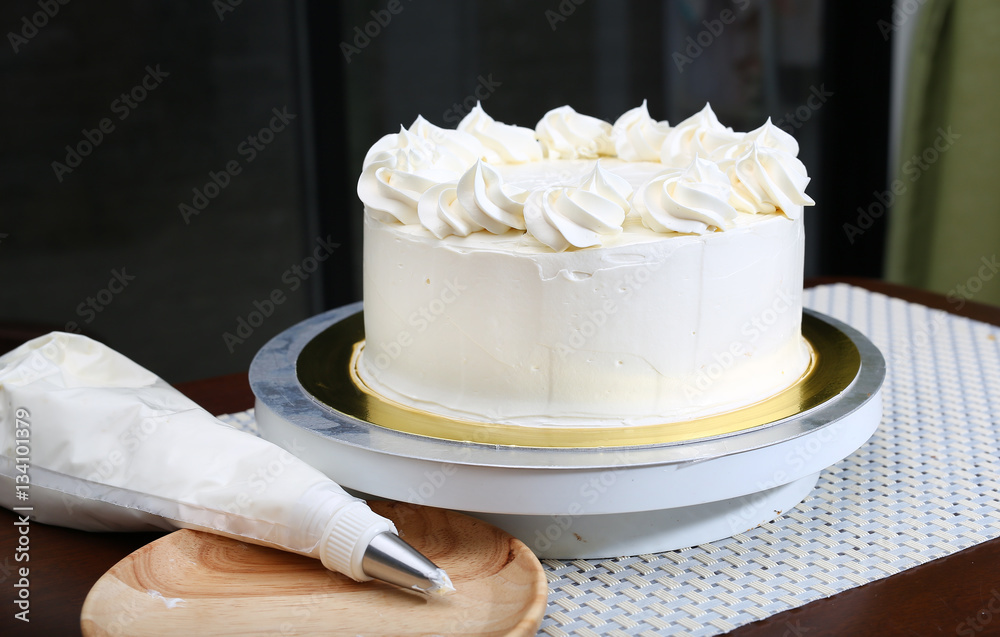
224,67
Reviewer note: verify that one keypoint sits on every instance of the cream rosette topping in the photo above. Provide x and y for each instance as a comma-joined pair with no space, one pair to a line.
455,147
579,216
479,200
440,211
608,185
566,134
637,136
401,167
567,217
767,179
452,182
768,136
493,205
396,174
697,136
504,143
693,201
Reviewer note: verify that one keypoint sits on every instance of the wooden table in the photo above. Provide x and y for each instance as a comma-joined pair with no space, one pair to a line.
934,598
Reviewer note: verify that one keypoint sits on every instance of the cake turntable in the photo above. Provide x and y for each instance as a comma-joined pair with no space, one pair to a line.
572,492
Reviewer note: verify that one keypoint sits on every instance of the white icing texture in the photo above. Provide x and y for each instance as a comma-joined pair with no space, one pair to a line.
483,196
399,168
583,274
637,136
456,149
694,201
571,217
503,143
697,136
770,180
566,134
491,328
608,185
695,176
442,214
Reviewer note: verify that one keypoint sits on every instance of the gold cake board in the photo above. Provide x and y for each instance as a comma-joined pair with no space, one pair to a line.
327,369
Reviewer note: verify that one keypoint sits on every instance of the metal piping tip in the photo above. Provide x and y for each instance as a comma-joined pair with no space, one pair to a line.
390,559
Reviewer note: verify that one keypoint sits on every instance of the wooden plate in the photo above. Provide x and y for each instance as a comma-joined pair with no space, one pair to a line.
193,583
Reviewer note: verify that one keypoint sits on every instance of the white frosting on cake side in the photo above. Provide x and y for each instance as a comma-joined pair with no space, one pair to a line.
653,329
536,278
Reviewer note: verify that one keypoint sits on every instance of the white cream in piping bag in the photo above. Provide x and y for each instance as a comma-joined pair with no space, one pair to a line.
112,447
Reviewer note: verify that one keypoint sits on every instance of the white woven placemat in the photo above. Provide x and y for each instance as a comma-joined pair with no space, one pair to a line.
926,485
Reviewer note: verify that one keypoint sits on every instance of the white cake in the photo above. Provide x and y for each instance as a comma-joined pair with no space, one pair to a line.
582,274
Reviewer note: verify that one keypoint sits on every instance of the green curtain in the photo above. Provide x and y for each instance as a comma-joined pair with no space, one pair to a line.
944,230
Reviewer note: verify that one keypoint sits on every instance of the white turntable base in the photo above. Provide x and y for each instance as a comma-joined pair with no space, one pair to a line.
575,502
602,511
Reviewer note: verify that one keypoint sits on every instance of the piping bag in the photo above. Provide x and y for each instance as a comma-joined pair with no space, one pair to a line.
92,441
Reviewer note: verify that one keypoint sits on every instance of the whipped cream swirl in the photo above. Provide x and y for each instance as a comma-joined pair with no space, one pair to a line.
443,179
479,200
637,136
442,214
770,136
397,171
693,201
767,136
566,134
489,202
767,179
456,149
399,168
697,136
608,185
503,143
571,217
